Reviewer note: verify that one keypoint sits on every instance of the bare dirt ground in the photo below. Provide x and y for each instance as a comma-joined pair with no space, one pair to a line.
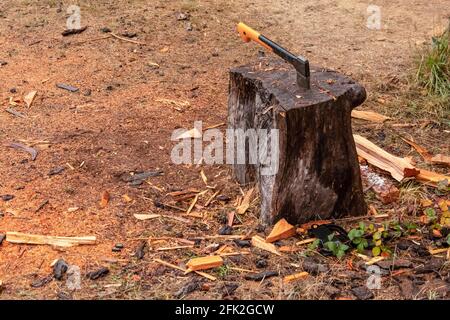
119,123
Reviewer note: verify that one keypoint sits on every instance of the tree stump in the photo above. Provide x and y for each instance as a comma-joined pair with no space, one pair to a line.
318,174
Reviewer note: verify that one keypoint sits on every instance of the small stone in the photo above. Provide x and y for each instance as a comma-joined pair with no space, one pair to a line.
119,245
129,34
222,197
115,249
87,92
261,263
313,267
404,244
229,288
189,287
41,282
13,90
105,30
3,63
242,243
59,269
362,293
56,171
94,275
262,275
182,16
225,230
64,296
7,197
215,54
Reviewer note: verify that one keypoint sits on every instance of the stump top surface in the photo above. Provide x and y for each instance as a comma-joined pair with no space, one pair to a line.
280,79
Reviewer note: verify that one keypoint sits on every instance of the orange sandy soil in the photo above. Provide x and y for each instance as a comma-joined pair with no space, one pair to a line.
124,128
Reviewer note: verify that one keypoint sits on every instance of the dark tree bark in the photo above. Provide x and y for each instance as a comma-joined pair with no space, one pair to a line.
318,174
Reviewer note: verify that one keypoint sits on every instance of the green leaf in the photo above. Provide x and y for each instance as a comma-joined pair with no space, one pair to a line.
330,245
376,251
448,239
360,247
377,235
362,226
314,245
340,254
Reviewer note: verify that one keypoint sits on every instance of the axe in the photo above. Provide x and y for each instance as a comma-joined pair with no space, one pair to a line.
300,64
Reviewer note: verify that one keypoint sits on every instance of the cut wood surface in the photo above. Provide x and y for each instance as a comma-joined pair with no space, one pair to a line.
281,230
17,237
369,116
260,243
398,167
204,263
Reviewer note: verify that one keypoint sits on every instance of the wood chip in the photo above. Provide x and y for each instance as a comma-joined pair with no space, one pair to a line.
17,237
204,263
194,201
167,264
204,178
245,204
29,98
105,199
306,241
260,243
127,198
146,216
399,168
281,230
294,277
369,116
207,203
374,260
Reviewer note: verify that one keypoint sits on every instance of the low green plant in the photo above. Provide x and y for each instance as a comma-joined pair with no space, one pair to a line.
357,237
336,247
223,271
434,67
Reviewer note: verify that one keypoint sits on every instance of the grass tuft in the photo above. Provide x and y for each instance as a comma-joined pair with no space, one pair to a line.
434,67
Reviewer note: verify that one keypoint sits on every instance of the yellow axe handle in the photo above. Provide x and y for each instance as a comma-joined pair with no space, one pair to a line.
248,34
